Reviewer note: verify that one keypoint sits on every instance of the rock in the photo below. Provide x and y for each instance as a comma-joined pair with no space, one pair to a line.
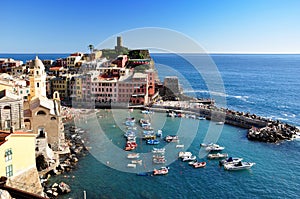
64,188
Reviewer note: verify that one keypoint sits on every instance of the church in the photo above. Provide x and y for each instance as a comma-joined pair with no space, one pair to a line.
43,115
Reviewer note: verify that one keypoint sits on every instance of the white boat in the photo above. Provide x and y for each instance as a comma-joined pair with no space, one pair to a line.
199,165
159,133
157,150
217,155
230,160
133,155
210,144
159,160
219,123
214,148
136,161
201,118
183,154
189,158
179,146
146,112
161,171
131,165
239,166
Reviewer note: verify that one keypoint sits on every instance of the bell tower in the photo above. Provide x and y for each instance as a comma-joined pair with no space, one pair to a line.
37,78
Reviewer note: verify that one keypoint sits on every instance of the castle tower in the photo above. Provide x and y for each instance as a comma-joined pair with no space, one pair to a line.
119,41
37,78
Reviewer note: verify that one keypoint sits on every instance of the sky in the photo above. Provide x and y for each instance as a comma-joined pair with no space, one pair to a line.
219,26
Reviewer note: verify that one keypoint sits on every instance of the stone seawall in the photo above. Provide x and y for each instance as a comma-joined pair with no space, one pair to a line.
259,128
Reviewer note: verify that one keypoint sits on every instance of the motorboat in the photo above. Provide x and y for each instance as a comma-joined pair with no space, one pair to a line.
201,118
217,155
219,123
180,146
133,155
144,123
172,138
158,150
130,121
136,161
192,162
199,164
239,166
146,112
129,133
189,158
214,148
131,165
152,142
161,171
159,133
210,144
230,160
159,160
183,154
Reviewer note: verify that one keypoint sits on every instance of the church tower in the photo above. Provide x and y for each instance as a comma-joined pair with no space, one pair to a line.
37,78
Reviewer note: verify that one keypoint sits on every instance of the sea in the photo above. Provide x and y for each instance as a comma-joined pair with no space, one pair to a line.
263,84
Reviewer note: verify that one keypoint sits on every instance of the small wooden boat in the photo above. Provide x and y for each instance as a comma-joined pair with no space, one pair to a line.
136,161
161,171
131,165
199,164
133,155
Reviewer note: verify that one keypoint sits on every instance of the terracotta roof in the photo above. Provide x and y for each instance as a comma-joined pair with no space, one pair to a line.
3,135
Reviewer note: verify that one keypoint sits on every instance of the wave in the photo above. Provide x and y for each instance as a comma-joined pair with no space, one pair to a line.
243,98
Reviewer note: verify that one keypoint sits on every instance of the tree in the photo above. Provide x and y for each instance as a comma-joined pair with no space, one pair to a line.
91,47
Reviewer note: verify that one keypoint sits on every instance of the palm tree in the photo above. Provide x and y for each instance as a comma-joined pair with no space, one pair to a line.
91,47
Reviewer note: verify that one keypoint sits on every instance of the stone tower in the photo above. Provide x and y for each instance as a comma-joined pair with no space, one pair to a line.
37,78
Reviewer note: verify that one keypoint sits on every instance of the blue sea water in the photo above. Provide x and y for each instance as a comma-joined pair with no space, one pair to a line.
267,85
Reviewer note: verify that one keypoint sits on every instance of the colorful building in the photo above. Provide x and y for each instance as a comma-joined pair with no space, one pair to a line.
17,160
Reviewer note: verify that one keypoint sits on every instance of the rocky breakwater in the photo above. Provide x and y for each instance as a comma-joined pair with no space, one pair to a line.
274,132
67,162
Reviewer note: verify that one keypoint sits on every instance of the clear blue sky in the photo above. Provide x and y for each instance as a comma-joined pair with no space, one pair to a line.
37,26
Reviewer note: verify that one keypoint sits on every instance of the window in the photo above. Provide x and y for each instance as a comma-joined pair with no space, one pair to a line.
41,113
9,171
8,155
38,84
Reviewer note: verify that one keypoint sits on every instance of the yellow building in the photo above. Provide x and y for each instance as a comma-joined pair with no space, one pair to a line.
37,78
17,160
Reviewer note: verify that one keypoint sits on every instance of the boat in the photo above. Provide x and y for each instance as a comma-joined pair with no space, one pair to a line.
192,162
133,155
239,166
201,118
146,112
199,164
161,171
158,150
171,114
210,144
131,165
183,154
130,121
230,160
152,142
130,145
159,133
219,123
189,158
129,133
179,146
171,138
144,123
214,148
159,160
136,161
217,155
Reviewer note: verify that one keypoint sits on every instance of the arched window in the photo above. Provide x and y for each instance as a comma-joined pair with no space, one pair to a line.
27,120
6,107
41,113
53,118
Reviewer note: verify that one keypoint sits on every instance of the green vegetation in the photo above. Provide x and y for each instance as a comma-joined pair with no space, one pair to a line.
141,68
